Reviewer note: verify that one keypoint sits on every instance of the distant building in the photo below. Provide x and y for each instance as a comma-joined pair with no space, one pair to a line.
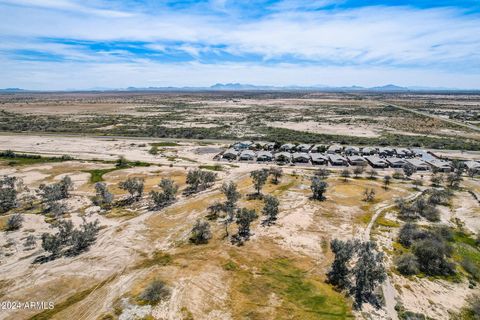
420,165
403,153
264,156
304,147
230,154
283,157
377,162
337,160
335,148
440,165
269,146
368,151
318,148
352,150
242,145
356,160
318,158
473,166
396,162
301,157
247,155
287,147
385,152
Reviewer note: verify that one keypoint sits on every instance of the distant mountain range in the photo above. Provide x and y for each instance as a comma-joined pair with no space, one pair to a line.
251,87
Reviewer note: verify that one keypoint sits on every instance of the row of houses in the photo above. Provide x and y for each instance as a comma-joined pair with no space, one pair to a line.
318,148
336,159
473,166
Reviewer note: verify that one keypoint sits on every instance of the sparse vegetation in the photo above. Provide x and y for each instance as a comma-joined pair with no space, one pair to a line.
166,196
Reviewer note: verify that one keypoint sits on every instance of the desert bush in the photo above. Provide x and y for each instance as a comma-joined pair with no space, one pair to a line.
199,180
432,257
318,188
322,173
8,194
345,174
103,197
134,186
30,242
407,264
368,195
409,233
386,181
14,222
56,191
155,292
408,170
372,174
168,194
276,174
259,178
243,219
270,210
358,170
200,233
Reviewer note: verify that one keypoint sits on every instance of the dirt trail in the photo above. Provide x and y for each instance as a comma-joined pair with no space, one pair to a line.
388,290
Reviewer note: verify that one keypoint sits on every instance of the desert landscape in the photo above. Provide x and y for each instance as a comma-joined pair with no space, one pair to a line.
123,205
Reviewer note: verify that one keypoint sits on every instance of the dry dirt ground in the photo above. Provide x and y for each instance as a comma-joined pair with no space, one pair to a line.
278,274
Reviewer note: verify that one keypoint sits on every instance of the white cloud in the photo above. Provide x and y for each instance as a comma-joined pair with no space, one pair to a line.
392,44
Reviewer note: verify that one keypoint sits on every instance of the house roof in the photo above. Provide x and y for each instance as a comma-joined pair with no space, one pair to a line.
417,162
247,153
472,164
376,160
439,163
297,155
304,146
351,148
335,147
283,154
264,154
316,156
287,146
231,151
355,158
336,157
395,160
368,149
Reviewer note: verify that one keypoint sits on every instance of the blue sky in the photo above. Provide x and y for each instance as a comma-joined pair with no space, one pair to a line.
70,44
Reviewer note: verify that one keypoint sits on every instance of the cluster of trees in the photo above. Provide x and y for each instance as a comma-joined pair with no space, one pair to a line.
423,206
167,196
430,251
199,180
8,193
357,269
103,197
260,177
69,241
52,195
230,213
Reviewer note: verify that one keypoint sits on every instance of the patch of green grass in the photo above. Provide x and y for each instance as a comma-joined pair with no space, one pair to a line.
158,258
384,222
70,301
215,167
19,159
301,295
96,175
164,144
230,266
